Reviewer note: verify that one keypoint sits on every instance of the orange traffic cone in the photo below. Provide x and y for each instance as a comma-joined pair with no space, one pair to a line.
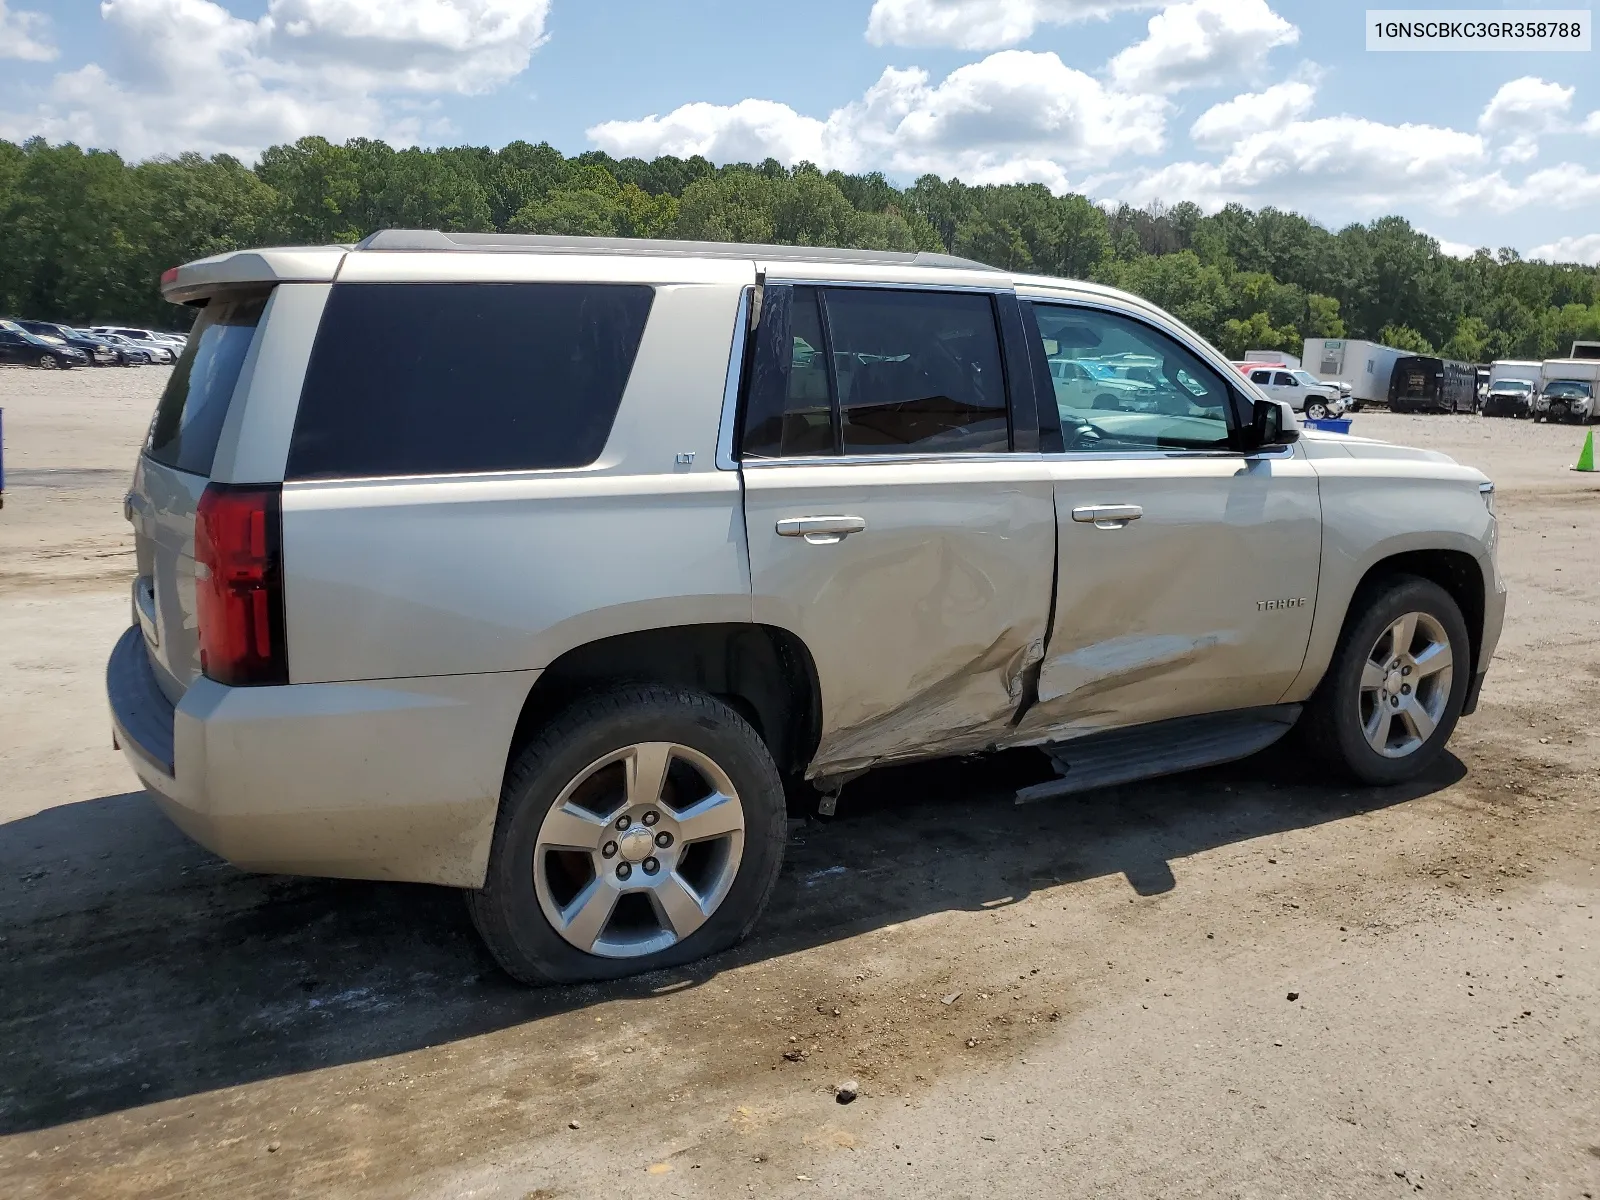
1586,456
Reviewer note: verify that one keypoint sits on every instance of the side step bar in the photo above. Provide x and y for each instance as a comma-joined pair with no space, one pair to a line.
1164,748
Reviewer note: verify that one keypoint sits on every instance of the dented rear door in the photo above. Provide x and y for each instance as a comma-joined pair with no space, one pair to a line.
891,524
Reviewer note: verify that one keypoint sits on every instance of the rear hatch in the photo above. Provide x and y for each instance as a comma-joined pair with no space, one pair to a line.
173,471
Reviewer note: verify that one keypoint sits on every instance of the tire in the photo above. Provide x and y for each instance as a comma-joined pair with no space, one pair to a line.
1339,716
1316,410
576,768
47,362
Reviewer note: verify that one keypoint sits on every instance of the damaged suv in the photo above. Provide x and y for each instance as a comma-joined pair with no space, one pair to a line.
559,614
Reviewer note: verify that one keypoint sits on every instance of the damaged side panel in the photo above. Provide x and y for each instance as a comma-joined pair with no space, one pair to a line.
927,625
1158,618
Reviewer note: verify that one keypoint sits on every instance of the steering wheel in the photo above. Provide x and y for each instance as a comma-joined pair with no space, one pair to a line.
1081,436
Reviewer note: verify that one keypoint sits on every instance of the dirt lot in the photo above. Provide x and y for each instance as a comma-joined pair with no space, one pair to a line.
1243,982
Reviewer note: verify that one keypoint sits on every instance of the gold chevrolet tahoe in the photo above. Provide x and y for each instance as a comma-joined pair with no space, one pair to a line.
538,567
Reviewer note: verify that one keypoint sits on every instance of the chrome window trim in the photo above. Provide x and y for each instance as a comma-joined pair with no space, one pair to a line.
729,420
987,289
825,460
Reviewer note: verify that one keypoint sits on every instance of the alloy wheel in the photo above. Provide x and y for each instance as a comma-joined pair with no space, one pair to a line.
639,850
1405,685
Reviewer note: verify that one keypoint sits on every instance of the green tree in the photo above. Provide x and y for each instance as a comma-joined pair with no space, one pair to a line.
1403,337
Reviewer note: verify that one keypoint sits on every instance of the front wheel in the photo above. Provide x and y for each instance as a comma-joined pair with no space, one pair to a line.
47,362
642,828
1395,687
1316,410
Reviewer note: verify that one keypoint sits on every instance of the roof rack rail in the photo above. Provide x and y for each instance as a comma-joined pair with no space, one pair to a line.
539,243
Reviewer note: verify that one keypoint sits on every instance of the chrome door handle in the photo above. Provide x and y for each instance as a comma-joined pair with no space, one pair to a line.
1107,516
821,531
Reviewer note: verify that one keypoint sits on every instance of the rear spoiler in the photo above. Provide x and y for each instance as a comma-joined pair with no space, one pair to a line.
194,282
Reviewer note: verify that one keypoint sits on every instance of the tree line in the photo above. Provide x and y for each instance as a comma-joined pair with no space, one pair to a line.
84,236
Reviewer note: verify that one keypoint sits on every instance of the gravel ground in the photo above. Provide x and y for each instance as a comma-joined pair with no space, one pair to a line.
1241,982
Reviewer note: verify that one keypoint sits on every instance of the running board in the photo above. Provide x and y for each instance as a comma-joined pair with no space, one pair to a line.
1164,748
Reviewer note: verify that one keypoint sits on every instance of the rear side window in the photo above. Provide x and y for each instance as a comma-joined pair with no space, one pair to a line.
453,378
189,417
865,371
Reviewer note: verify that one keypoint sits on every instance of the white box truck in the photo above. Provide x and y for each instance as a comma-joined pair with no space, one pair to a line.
1365,366
1513,383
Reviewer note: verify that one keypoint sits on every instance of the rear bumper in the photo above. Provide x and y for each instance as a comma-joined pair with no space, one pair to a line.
389,779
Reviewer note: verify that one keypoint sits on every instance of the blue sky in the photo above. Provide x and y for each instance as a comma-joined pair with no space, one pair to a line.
1261,101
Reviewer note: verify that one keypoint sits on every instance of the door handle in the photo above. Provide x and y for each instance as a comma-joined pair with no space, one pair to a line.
821,531
1107,516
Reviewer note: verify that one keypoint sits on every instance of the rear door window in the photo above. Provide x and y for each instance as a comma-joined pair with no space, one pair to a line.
869,371
457,378
189,416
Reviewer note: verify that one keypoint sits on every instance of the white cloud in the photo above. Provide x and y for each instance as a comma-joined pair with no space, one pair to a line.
1013,115
748,131
1456,249
1346,162
1253,112
1565,186
1520,111
1526,106
24,35
1591,124
979,24
1585,248
1201,43
190,75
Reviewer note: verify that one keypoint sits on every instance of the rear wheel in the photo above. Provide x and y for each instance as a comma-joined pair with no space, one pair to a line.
1395,687
643,828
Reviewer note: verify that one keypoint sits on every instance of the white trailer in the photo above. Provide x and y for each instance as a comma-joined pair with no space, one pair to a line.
1271,356
1365,366
1514,368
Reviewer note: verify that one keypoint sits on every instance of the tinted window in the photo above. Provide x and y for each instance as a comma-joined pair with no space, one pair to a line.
1138,389
1284,379
1260,376
189,417
446,378
789,408
917,372
871,371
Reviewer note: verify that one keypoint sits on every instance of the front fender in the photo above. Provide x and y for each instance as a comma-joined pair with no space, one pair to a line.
1372,514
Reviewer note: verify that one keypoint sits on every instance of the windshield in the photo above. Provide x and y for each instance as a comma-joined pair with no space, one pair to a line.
1566,387
1513,385
1305,377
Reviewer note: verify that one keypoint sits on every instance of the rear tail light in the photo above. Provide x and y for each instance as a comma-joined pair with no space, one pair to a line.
238,535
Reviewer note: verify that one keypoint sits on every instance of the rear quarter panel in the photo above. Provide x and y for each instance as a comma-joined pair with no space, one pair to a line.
458,574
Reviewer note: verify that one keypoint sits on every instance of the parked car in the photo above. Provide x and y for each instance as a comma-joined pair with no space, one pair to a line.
133,354
560,621
1423,383
17,345
98,351
158,346
1509,398
1298,388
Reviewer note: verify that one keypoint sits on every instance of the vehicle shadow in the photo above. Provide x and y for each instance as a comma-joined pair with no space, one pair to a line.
136,967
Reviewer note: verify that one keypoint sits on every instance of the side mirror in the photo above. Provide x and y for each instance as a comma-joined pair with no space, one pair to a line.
1267,428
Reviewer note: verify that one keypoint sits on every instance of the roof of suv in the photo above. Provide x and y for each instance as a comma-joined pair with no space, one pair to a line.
539,243
194,281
